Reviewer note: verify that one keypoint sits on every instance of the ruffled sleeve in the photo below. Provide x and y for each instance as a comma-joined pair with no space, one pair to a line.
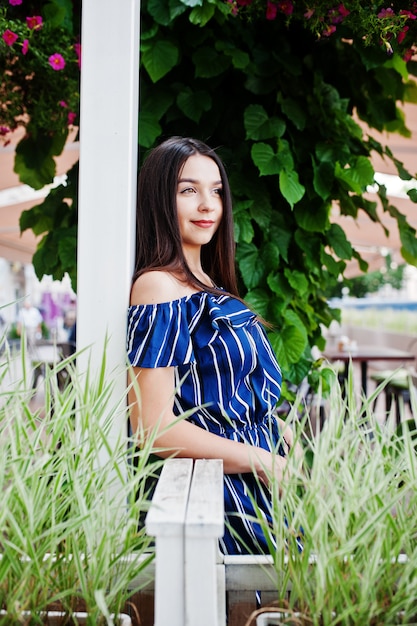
158,335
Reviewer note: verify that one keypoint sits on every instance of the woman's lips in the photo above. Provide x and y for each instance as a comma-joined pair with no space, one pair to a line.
203,223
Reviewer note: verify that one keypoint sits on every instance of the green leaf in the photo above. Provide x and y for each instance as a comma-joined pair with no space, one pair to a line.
358,176
408,239
270,254
289,344
240,59
265,159
251,265
192,3
209,63
323,179
412,194
34,161
313,217
399,65
258,300
243,227
282,237
290,187
200,15
279,286
165,12
159,58
58,13
297,280
67,247
149,129
259,125
294,112
336,237
194,103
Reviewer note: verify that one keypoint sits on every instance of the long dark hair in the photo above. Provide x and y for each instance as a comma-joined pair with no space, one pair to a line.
158,244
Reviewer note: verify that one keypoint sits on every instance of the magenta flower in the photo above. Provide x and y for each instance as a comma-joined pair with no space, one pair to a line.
401,35
286,6
408,14
56,61
271,10
408,55
9,37
309,13
14,3
71,118
77,48
63,104
385,13
4,130
35,22
338,14
243,3
25,46
234,10
329,30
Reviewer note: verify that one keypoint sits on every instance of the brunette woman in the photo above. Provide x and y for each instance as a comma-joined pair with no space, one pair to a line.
195,347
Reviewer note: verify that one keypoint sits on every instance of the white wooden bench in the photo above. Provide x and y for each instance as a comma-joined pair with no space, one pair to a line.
195,585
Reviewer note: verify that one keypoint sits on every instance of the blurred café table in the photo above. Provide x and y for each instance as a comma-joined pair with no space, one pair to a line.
363,354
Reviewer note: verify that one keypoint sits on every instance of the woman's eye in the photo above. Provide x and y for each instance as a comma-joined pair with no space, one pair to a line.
187,190
218,191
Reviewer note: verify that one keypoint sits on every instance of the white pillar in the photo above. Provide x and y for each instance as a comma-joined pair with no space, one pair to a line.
107,194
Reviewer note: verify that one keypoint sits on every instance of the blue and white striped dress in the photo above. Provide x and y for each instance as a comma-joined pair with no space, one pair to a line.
227,376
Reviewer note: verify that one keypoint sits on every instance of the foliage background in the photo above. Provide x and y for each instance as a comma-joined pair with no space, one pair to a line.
277,98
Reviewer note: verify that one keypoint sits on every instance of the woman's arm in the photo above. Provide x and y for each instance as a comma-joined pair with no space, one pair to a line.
152,410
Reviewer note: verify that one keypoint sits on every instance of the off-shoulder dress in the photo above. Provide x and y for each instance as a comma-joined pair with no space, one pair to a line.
227,378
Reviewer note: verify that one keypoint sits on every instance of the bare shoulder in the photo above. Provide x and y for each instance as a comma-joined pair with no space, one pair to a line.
155,287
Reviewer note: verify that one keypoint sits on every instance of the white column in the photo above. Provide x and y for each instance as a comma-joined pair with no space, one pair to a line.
107,195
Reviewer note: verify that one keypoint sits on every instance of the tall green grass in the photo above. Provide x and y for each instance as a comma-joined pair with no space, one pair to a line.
71,497
354,506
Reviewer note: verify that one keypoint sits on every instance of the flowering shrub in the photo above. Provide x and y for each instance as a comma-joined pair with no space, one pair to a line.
275,83
39,67
390,24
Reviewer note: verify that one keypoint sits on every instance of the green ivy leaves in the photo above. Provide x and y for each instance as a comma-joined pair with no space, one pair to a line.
281,163
159,57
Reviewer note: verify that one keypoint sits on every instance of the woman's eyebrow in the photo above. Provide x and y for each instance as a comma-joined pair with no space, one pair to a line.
195,181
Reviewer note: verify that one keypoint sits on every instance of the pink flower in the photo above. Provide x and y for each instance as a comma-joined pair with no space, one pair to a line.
286,6
4,130
329,30
77,48
338,14
63,104
385,13
35,22
25,46
14,3
271,10
309,13
10,37
56,61
71,118
408,14
401,35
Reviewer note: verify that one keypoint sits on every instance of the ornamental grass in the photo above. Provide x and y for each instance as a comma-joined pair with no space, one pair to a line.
354,506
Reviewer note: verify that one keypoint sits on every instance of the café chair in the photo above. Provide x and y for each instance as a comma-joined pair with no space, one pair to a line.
398,387
401,384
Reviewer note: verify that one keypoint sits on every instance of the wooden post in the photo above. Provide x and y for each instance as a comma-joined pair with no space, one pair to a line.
107,194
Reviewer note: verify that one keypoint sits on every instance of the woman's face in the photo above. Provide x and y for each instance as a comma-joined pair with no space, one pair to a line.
199,200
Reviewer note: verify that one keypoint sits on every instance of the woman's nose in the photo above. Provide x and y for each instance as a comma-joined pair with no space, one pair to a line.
207,202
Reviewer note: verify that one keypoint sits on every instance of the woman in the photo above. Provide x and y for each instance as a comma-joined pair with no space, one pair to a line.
194,345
